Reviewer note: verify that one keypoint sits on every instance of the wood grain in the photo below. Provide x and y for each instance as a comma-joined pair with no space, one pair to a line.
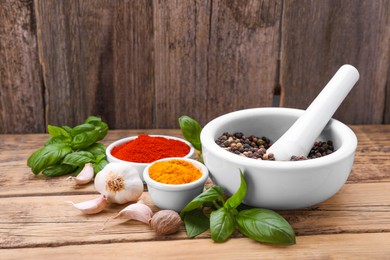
372,159
371,164
50,221
142,64
21,100
181,60
133,89
341,246
386,116
35,219
62,56
242,69
320,36
97,60
214,57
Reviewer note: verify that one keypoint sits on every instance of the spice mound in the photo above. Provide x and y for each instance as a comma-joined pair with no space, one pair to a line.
147,149
256,147
174,172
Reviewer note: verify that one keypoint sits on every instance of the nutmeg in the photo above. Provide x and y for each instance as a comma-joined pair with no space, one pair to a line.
166,222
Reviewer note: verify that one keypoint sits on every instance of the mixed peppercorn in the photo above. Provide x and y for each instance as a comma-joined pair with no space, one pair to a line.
256,147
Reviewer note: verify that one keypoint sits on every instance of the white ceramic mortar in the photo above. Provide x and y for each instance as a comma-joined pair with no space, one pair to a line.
278,184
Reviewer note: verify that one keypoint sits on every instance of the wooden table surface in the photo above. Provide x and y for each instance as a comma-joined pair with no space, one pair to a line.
35,221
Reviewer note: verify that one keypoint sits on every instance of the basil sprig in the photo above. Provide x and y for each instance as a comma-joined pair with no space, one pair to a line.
69,149
209,210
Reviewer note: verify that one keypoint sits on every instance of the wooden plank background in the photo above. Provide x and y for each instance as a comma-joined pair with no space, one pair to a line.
142,64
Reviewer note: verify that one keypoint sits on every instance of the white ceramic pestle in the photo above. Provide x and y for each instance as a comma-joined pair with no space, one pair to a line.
300,137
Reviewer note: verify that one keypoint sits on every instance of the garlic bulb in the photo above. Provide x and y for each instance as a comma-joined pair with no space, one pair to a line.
119,182
90,206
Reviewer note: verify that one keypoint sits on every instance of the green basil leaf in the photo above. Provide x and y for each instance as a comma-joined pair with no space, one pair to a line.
60,139
79,158
85,139
235,200
98,166
55,131
78,170
67,129
265,225
221,224
99,157
212,194
34,157
49,155
101,128
81,129
92,118
59,170
96,149
191,129
196,223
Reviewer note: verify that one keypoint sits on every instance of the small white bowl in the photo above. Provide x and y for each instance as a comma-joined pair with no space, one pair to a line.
141,166
175,196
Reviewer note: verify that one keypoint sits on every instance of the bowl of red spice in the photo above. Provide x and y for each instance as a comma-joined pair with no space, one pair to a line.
174,182
144,149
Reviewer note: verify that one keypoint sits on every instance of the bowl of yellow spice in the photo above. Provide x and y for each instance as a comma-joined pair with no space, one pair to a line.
174,182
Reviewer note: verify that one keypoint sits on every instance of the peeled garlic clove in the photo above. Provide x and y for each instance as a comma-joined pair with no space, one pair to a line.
86,175
90,206
138,211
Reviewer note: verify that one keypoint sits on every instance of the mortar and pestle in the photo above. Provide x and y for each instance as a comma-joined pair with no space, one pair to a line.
284,184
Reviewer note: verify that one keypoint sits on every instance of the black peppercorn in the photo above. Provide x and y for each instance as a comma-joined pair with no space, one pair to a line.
255,147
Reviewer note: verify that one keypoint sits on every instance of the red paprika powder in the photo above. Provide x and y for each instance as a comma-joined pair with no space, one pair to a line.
147,149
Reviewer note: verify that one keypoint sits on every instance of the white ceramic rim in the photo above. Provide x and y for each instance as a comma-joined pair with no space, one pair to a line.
177,187
349,141
127,139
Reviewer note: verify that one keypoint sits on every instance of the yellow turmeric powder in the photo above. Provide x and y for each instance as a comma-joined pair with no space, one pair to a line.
174,172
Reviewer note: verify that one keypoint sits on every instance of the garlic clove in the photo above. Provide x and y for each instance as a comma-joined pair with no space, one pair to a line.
85,176
138,211
91,206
